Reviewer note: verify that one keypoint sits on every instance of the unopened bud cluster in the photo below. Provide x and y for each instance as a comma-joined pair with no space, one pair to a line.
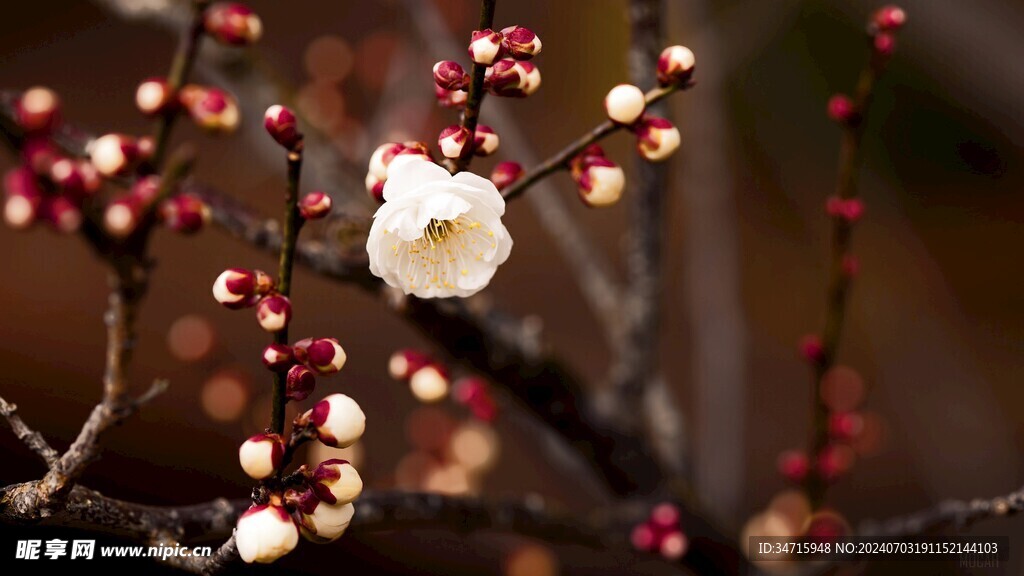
505,55
237,288
661,533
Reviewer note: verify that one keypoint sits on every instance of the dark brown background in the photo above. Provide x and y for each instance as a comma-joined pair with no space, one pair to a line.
935,322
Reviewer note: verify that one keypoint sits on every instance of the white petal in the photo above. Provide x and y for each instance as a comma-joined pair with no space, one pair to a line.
407,173
483,190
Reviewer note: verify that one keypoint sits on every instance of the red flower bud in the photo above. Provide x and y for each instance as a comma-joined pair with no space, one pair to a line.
845,425
38,110
474,394
62,214
154,96
212,109
283,126
404,363
665,516
273,312
315,205
841,109
644,538
811,348
601,182
76,178
848,209
299,383
485,47
506,173
336,481
450,98
185,213
793,465
485,141
232,23
675,65
889,18
375,188
39,153
114,154
850,265
449,75
324,355
656,139
145,191
453,140
884,44
513,78
520,43
236,288
278,357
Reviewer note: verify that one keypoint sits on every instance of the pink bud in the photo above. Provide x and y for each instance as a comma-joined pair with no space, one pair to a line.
625,104
884,44
643,538
39,153
381,159
845,425
666,516
273,312
62,214
299,383
261,455
450,98
404,363
185,213
212,109
675,65
475,395
656,139
154,96
450,75
325,355
601,182
811,348
278,357
485,141
453,140
121,217
841,109
315,205
336,481
282,125
848,209
145,191
232,23
38,110
673,545
889,18
236,288
375,188
833,461
520,43
485,47
793,465
430,383
76,178
506,173
339,421
114,154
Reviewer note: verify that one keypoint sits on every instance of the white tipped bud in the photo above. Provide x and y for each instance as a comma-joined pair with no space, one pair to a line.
675,65
485,47
429,384
520,43
325,355
404,363
656,139
323,522
154,96
601,182
274,312
625,104
339,421
121,217
113,154
382,157
265,533
260,455
336,481
486,141
235,288
453,140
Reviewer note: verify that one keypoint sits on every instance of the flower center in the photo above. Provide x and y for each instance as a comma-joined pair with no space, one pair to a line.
438,230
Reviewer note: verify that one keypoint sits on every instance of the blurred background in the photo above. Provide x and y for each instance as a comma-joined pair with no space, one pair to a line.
935,327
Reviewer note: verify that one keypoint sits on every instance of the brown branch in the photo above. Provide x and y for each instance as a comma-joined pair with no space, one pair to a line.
34,440
957,513
850,160
560,161
475,96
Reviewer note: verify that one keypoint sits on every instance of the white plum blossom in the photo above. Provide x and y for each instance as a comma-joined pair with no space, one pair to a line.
437,235
265,533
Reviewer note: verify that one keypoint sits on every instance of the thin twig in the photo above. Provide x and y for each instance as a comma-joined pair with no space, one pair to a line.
292,225
475,97
957,513
850,159
34,440
560,161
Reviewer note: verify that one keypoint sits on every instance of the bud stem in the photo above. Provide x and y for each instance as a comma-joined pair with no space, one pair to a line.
292,225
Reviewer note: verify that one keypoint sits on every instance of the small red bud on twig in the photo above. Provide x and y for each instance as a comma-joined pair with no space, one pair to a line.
315,205
274,312
261,455
485,47
506,173
278,357
185,213
794,465
38,110
656,139
212,109
520,43
114,154
154,96
233,24
450,75
675,65
486,141
625,104
889,18
453,140
842,110
282,125
299,383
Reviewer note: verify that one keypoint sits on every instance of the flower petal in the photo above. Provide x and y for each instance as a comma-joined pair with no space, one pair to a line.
482,189
408,173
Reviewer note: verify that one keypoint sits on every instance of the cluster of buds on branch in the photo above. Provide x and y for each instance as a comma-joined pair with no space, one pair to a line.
661,533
